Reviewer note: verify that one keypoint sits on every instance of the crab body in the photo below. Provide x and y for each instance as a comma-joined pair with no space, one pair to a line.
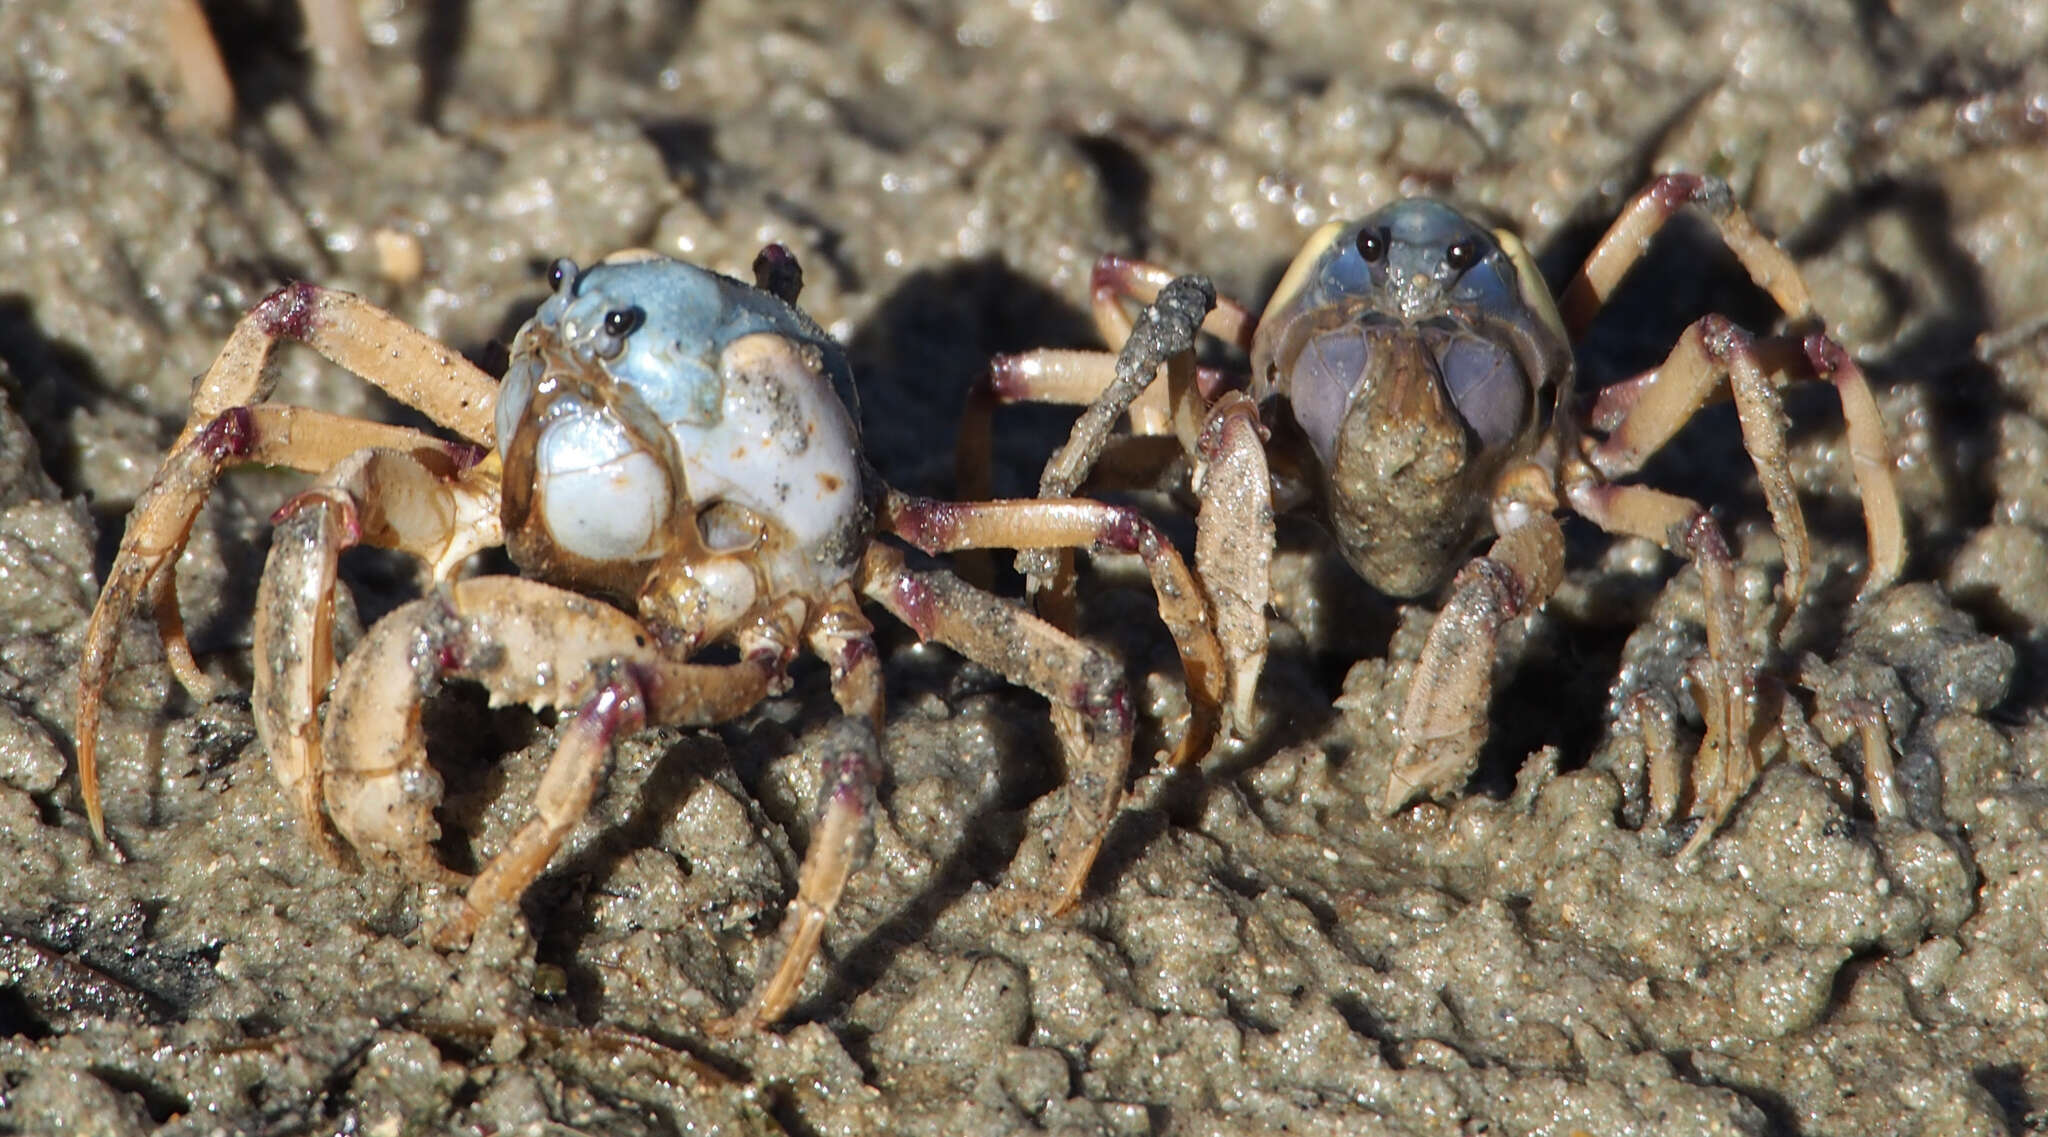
1418,355
658,420
1411,379
668,438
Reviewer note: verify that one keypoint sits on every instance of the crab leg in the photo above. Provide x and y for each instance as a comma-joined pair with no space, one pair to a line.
843,637
1726,681
1077,523
145,566
526,642
207,95
1091,707
1629,238
1871,462
224,429
403,361
1712,348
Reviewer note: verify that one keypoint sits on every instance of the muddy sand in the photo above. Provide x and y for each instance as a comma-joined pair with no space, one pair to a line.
1259,951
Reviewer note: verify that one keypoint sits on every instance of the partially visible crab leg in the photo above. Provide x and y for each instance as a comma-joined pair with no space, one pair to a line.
1443,721
1091,706
1646,213
224,429
526,642
1078,523
1118,278
408,364
844,638
1712,349
145,566
1079,378
1726,681
1052,377
418,502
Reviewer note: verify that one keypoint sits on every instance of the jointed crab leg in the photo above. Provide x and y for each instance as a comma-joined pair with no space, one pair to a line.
1660,403
145,567
225,428
1090,704
1234,545
1443,720
1080,378
1655,406
406,363
1075,523
844,638
1641,219
1726,686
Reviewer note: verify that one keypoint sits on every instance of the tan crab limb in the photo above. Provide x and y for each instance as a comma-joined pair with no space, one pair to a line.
1641,414
170,629
1774,271
1166,329
1727,763
1234,547
1165,332
294,649
616,707
1780,357
843,637
1443,720
416,502
1090,703
401,360
1725,682
1880,773
1654,720
1711,350
208,95
1055,377
1811,357
526,642
1052,376
1075,523
1110,386
1884,517
144,568
1629,238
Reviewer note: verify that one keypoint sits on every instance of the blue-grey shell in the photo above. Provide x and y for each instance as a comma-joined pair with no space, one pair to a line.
686,317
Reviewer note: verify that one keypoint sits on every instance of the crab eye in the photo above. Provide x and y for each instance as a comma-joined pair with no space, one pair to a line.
1372,245
1462,255
563,269
621,321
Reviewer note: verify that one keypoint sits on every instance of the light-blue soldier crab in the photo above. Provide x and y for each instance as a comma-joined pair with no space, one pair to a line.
671,440
1412,384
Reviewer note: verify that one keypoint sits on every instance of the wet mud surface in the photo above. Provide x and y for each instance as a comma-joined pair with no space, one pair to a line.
1260,951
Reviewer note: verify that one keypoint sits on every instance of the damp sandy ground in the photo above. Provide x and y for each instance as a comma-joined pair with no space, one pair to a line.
1259,952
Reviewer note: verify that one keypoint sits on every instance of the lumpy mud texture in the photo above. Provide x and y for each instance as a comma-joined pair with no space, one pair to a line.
1259,951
